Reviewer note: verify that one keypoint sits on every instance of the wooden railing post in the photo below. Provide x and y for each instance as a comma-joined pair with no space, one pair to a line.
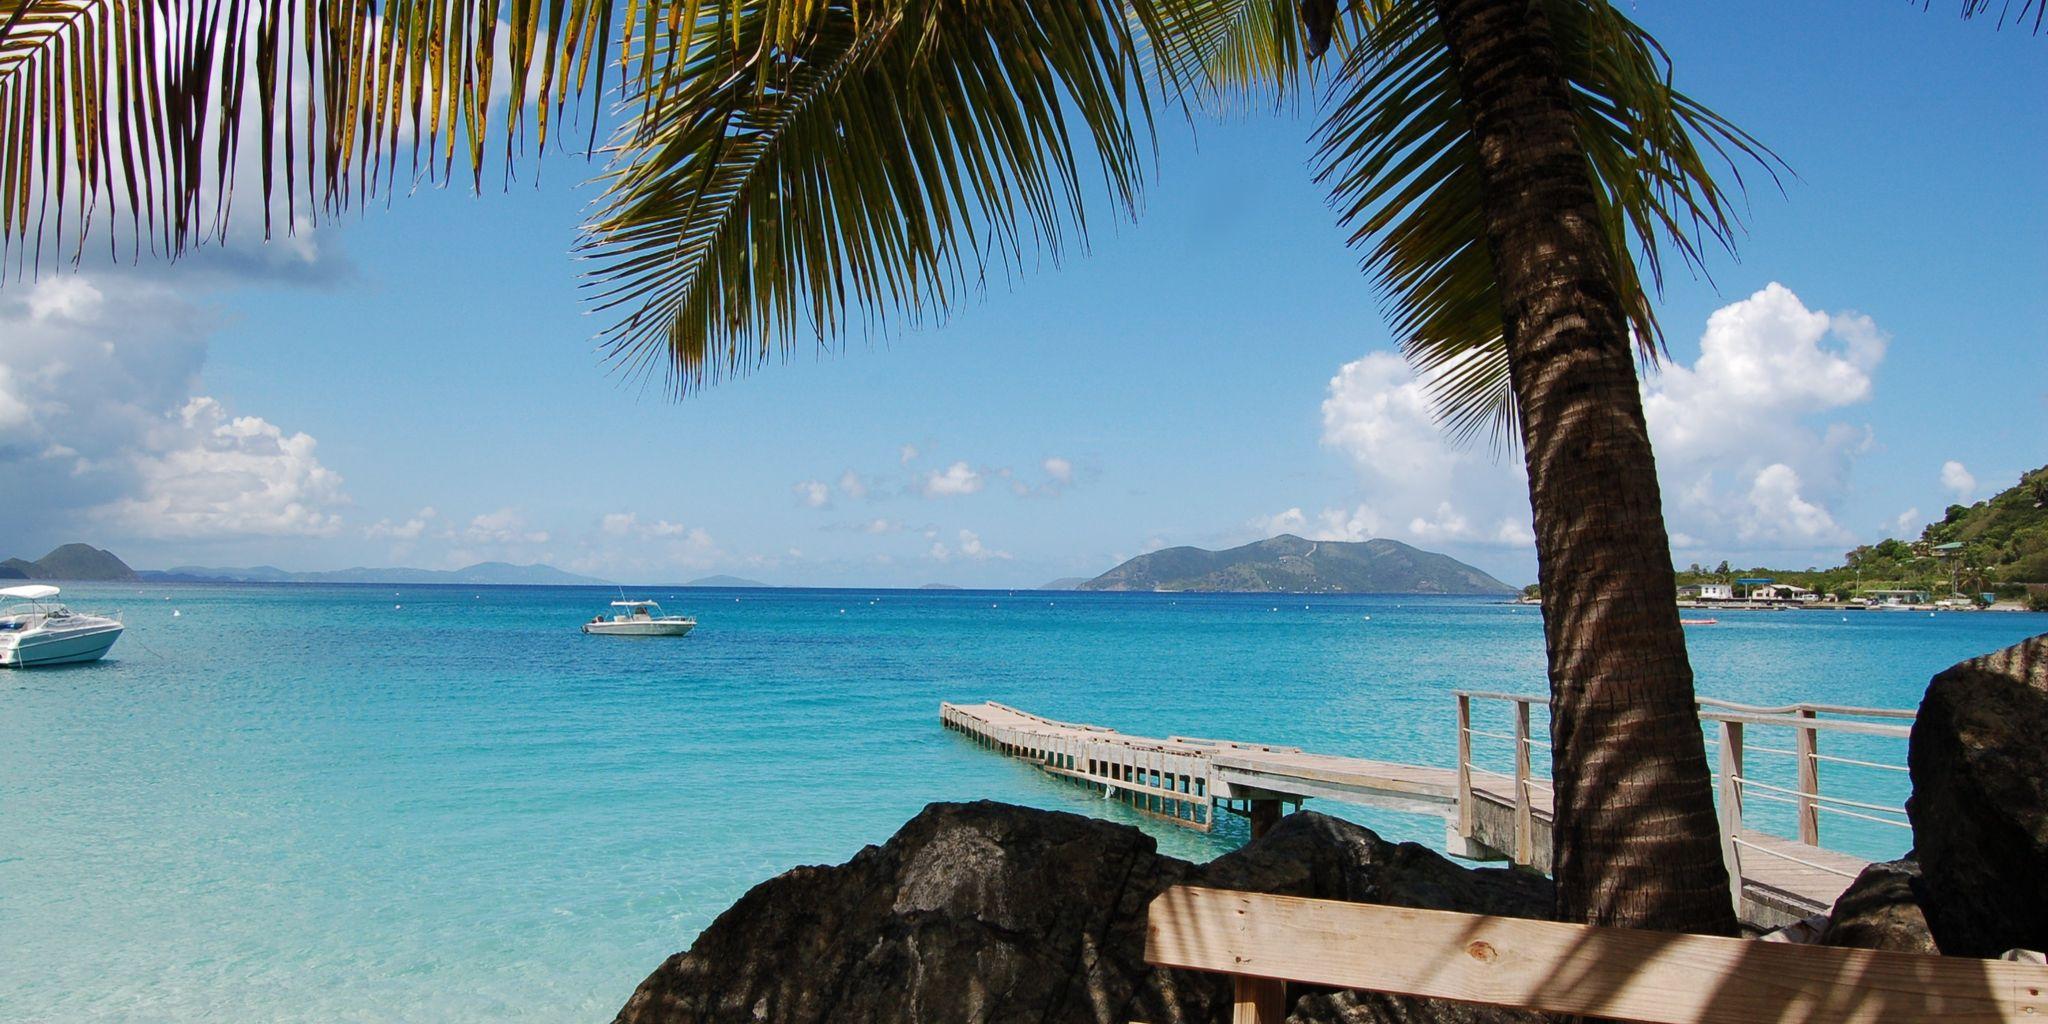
1525,827
1808,746
1258,1001
1731,808
1464,766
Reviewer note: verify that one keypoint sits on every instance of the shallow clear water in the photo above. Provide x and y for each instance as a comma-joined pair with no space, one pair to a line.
308,804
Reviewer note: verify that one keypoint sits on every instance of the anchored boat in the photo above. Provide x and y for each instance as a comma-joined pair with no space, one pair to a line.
43,632
639,618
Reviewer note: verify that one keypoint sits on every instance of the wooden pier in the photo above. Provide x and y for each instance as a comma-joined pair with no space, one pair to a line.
1489,814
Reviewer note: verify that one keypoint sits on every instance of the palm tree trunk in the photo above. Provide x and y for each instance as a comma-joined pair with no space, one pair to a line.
1636,843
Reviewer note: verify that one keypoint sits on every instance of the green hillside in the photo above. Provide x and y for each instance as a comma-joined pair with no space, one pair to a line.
69,562
1290,564
2003,550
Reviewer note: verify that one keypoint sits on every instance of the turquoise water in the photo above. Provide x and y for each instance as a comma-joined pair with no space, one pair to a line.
308,804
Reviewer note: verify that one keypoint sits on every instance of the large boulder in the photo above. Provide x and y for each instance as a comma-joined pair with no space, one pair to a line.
985,913
1979,758
1882,909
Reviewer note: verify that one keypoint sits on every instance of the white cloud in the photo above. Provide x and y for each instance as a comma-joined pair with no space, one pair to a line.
1908,523
628,524
1059,469
505,526
851,485
906,455
1416,483
1740,456
956,479
879,525
101,418
411,529
815,493
211,475
1737,453
972,547
1779,512
1959,480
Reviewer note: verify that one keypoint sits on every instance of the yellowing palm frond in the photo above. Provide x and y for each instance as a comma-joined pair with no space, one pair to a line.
139,110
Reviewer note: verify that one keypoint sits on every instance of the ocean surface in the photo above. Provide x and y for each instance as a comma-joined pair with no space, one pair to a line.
363,803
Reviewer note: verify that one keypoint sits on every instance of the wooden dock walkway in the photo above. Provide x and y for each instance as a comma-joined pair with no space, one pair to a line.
1488,815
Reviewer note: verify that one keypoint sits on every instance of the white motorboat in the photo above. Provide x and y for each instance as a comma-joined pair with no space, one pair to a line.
43,632
639,618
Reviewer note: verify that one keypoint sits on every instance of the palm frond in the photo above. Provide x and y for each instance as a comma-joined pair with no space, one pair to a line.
1396,152
852,163
142,110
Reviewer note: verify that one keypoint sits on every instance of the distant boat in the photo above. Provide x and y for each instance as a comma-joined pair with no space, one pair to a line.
640,618
1698,622
43,632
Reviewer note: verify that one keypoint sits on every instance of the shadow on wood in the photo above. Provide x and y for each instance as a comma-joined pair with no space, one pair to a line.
1613,973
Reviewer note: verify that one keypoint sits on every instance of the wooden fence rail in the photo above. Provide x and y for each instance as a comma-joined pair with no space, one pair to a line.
1615,973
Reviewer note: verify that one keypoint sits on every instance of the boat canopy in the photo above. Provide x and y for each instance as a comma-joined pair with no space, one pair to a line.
36,592
634,604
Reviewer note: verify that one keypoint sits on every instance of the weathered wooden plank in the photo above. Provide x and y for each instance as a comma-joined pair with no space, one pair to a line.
1258,1001
1657,977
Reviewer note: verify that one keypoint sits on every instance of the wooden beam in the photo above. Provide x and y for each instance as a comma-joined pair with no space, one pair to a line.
1807,746
1729,809
1464,766
1258,1001
1614,973
1525,823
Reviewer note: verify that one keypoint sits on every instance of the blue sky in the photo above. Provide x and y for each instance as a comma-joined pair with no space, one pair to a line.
1213,373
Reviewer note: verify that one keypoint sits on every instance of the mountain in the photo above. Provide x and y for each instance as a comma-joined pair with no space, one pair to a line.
69,562
480,574
1290,564
722,580
938,586
1065,583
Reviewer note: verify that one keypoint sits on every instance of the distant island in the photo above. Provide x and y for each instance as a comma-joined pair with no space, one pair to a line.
1290,564
734,582
87,564
1065,583
69,562
938,586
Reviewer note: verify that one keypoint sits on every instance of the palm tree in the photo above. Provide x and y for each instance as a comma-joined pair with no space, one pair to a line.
787,170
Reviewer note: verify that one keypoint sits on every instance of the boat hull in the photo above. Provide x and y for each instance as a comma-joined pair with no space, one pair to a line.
67,648
655,628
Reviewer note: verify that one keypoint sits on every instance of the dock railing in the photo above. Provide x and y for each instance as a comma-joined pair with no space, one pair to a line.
1524,783
1264,942
1486,750
1736,784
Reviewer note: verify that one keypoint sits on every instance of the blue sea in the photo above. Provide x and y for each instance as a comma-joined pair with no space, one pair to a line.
363,803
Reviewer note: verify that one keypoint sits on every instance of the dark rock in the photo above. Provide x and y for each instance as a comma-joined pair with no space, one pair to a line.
1378,1008
1980,801
985,913
1882,909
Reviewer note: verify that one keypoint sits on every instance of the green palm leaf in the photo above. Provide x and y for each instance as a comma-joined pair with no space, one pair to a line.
876,161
